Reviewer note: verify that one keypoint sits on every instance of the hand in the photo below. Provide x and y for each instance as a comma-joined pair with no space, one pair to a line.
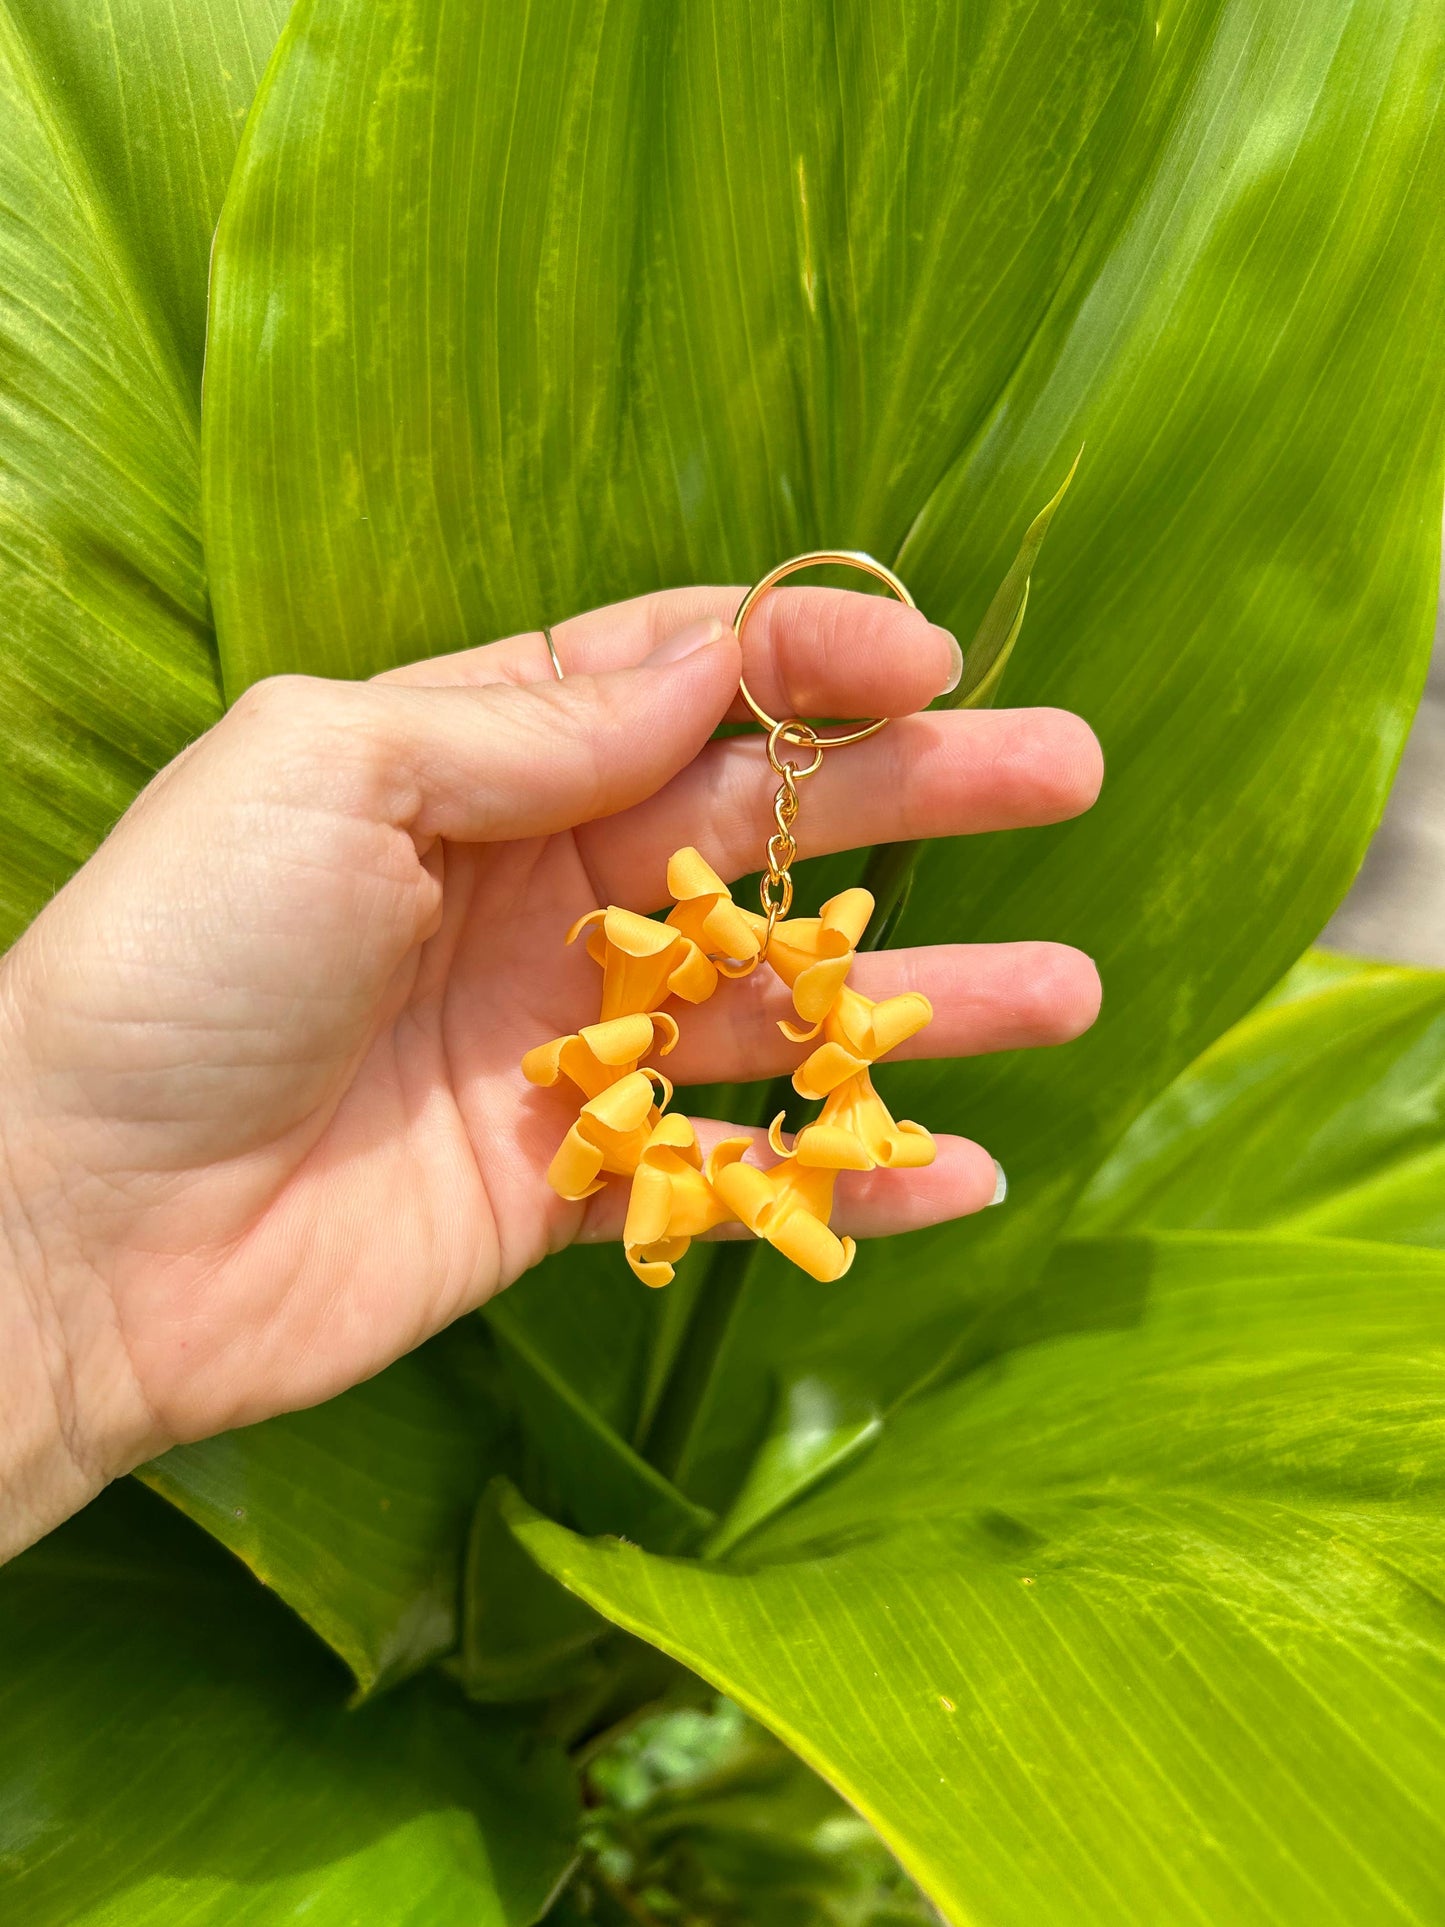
262,1119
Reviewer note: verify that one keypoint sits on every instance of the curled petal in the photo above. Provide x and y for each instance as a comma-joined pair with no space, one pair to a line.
857,1033
729,937
622,1041
813,956
644,962
817,987
691,879
576,1171
693,977
829,1066
641,957
789,1206
609,1136
654,1264
671,1202
663,1086
729,1151
599,1054
543,1063
584,923
829,1147
847,914
872,1030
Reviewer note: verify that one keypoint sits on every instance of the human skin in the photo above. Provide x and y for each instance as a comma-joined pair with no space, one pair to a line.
262,1126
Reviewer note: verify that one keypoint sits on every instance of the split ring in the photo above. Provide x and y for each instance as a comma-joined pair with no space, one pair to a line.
845,558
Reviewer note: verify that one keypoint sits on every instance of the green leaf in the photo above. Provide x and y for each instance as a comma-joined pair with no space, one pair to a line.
115,72
523,1638
986,658
1139,1620
1322,1112
817,1429
595,1337
1239,597
118,123
669,333
603,1483
673,331
356,1512
176,1751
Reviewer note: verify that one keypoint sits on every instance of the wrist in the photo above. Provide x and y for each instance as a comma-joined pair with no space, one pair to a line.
47,1469
71,1417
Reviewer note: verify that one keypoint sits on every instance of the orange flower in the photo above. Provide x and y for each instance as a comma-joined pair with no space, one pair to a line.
621,1130
856,1033
609,1136
789,1204
672,1201
642,962
726,935
813,956
856,1113
600,1054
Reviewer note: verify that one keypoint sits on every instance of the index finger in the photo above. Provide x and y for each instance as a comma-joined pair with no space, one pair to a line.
806,651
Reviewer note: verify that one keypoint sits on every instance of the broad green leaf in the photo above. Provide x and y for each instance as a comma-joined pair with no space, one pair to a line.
156,99
816,1431
595,1337
1238,595
757,278
118,122
604,1484
523,1638
1323,1112
684,320
357,1512
1138,1620
177,1751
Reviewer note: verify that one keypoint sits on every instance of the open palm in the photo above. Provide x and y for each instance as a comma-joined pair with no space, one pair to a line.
264,1124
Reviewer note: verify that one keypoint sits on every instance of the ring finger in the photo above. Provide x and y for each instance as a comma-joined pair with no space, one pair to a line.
985,997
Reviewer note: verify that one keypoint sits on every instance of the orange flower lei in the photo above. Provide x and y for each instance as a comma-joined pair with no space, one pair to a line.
624,1128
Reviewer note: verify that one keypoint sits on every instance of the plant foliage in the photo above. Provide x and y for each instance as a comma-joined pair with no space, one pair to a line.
1092,1550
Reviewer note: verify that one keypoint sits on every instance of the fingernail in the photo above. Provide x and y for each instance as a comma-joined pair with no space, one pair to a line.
687,642
956,676
1000,1184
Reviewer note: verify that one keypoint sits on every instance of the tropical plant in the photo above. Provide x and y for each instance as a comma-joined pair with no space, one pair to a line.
1093,1550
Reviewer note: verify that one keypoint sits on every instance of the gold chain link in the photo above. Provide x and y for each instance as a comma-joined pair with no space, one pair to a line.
776,888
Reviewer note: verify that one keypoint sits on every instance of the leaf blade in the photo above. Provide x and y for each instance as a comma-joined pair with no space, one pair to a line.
1318,1115
355,1512
177,1751
107,201
1173,1649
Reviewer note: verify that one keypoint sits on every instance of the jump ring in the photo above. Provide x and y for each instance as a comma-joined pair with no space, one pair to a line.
782,765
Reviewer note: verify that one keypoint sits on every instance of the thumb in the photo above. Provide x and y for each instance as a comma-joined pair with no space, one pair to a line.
489,763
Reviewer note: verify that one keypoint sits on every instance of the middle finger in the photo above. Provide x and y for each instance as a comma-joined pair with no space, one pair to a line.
985,997
946,773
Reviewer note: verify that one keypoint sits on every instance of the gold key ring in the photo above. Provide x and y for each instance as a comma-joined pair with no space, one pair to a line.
775,889
845,558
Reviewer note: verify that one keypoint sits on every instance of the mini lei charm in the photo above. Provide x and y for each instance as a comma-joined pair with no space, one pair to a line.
624,1128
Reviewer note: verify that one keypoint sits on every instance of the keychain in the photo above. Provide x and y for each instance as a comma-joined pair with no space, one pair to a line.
624,1128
